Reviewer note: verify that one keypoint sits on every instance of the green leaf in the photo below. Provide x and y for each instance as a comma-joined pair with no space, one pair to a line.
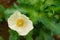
48,23
48,37
57,33
57,2
49,2
13,35
19,9
2,9
27,1
44,36
1,38
29,36
33,15
57,9
40,37
8,12
28,6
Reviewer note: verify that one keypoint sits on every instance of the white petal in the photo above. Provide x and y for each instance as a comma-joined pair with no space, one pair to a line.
26,29
12,19
28,25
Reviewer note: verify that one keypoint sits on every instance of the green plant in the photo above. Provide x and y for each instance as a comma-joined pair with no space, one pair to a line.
44,14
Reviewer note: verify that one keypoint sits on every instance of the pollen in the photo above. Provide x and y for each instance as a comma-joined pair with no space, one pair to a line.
20,22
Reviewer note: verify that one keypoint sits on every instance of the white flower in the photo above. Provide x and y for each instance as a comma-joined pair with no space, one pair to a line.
20,23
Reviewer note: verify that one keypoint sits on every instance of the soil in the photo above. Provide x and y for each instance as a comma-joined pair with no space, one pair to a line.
4,30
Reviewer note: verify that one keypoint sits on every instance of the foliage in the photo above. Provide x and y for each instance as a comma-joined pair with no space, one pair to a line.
13,35
44,14
1,38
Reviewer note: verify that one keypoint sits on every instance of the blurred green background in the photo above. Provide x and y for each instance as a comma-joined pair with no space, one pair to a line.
45,15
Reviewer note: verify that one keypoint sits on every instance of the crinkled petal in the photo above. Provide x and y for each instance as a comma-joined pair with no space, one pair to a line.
26,29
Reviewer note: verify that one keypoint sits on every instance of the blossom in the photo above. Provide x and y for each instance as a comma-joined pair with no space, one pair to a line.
20,23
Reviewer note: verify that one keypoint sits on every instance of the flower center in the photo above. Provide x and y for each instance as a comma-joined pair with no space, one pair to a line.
20,22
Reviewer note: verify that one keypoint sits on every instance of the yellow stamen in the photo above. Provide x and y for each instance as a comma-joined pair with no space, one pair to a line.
20,22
